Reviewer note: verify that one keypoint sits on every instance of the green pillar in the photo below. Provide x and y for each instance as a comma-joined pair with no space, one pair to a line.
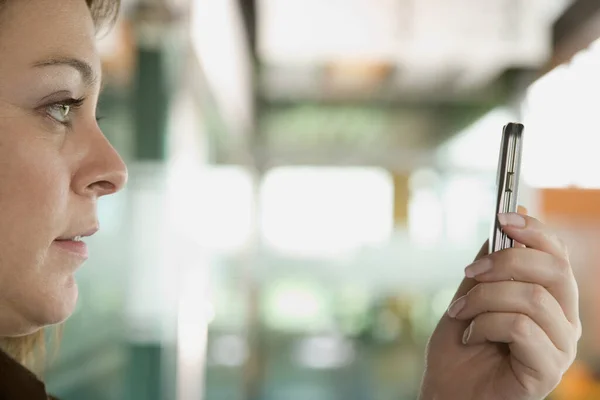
150,102
150,105
150,110
144,374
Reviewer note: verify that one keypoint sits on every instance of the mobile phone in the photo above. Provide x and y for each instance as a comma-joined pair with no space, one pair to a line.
507,182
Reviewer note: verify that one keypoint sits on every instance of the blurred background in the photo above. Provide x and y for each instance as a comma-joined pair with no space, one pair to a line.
309,179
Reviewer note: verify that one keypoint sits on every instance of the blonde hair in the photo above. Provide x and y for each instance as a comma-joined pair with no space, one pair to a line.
30,350
27,349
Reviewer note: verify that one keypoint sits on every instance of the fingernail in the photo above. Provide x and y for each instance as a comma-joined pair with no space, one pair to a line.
512,219
467,334
456,307
478,267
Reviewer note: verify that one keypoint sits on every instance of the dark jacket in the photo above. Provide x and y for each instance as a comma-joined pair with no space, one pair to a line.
18,383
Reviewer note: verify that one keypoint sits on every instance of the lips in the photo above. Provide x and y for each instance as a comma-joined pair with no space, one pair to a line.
74,244
78,236
76,248
73,239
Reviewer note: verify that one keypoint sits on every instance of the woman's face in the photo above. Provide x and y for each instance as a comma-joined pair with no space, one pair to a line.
55,162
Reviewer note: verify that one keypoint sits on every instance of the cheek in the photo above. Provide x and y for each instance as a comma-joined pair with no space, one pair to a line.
33,187
34,191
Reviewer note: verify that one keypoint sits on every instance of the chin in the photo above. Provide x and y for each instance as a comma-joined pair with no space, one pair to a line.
54,308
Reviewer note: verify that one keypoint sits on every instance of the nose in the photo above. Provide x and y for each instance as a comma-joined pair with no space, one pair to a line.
102,172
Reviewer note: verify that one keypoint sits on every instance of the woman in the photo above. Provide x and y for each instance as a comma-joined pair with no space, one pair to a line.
55,164
510,334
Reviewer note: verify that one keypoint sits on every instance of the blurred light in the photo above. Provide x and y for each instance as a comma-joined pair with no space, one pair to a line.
212,206
387,326
294,306
326,212
210,312
491,34
424,319
193,316
562,123
425,218
441,302
187,135
425,213
111,210
466,204
218,37
357,75
547,117
298,303
477,147
423,179
324,352
301,31
352,308
229,351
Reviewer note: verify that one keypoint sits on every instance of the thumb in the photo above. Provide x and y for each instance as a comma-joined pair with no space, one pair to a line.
469,283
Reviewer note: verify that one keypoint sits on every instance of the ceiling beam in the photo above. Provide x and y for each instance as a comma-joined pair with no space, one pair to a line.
248,10
574,31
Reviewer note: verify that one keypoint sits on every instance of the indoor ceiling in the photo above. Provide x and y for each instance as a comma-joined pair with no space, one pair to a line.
423,49
367,79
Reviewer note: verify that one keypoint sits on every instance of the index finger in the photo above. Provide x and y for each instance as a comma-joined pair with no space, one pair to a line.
533,234
468,283
532,266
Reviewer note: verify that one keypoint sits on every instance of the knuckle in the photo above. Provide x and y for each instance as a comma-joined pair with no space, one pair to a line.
554,375
563,246
570,353
563,268
578,329
508,260
538,296
571,356
559,242
553,370
531,382
513,258
479,293
522,327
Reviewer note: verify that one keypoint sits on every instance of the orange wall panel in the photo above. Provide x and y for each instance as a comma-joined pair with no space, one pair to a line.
572,203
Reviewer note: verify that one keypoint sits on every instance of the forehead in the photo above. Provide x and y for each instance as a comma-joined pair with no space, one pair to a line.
34,30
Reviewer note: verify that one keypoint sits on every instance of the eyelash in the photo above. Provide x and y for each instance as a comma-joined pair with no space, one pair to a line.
73,103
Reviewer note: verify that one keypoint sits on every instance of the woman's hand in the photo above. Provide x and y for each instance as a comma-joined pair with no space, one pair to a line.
512,329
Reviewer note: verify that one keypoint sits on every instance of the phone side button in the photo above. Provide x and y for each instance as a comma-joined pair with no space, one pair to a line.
510,182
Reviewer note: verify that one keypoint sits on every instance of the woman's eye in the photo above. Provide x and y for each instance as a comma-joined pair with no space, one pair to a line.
59,112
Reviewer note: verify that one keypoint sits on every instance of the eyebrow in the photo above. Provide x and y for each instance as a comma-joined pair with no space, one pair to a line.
85,69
